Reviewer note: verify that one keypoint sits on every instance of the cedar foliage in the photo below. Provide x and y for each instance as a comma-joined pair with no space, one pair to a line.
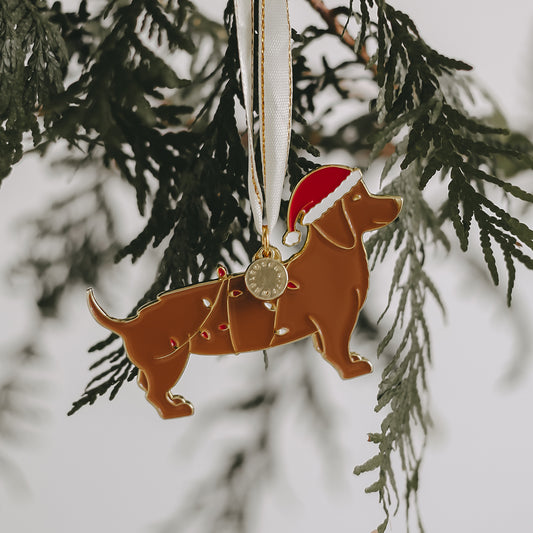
129,87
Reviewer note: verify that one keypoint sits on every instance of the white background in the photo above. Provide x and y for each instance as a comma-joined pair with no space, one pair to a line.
118,467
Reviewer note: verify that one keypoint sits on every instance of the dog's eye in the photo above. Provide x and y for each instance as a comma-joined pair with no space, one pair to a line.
356,197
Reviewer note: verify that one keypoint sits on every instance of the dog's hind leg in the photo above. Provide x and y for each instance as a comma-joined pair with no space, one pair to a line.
160,377
143,384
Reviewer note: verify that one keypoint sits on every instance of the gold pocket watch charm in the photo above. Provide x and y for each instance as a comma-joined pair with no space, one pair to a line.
266,278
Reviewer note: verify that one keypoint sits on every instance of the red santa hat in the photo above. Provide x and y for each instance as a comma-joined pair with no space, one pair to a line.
315,194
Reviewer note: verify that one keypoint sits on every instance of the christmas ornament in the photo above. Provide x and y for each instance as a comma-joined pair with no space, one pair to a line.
318,292
327,282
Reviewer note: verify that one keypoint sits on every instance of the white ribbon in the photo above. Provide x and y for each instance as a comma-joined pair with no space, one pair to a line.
275,99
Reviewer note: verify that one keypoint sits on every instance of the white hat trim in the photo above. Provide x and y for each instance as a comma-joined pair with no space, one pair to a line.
291,238
327,203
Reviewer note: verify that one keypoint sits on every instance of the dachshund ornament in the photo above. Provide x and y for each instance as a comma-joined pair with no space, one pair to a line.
324,289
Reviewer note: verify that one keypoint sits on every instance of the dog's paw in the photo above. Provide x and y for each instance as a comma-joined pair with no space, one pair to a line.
176,410
359,367
175,406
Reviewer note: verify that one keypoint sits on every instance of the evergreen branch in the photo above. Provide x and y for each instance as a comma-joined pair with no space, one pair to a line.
502,228
336,28
32,68
403,387
443,138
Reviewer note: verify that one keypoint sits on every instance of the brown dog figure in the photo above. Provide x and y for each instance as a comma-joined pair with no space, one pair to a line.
327,286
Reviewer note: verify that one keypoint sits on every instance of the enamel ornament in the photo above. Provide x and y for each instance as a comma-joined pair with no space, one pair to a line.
327,283
317,293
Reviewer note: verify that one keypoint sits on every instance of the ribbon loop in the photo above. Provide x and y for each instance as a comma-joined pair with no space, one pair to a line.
275,100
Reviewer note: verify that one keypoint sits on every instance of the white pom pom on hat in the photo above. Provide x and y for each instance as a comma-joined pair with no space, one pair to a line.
315,194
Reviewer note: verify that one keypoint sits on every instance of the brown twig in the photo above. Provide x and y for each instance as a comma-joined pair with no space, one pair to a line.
336,28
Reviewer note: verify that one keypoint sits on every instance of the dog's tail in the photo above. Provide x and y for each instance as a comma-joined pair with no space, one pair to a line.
114,324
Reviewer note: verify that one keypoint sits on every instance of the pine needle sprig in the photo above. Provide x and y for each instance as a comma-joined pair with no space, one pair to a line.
496,226
443,139
33,60
402,391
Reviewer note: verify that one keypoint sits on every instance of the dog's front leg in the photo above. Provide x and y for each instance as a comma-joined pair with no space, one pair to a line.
332,340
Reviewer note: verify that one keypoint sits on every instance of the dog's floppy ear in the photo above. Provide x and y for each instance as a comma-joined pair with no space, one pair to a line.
334,225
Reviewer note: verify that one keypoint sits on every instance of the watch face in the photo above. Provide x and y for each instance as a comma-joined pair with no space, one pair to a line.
266,278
